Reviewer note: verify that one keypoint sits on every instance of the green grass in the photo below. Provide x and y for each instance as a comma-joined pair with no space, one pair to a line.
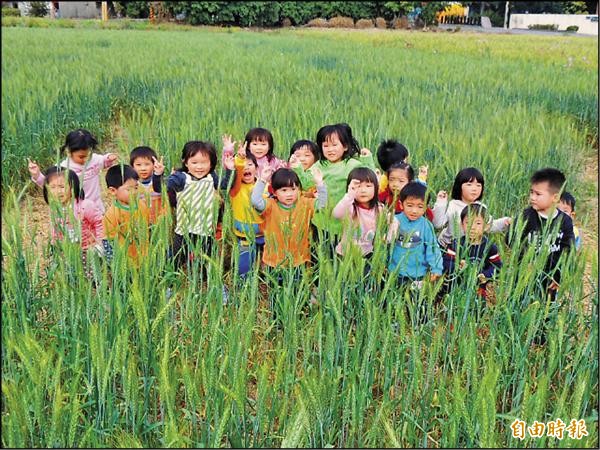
120,365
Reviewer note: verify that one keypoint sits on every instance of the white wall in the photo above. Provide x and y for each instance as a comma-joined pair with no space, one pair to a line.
583,21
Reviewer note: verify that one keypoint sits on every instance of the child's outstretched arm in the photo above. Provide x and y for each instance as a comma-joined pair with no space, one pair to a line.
440,217
109,159
500,225
256,198
36,174
433,255
344,206
321,200
159,170
449,259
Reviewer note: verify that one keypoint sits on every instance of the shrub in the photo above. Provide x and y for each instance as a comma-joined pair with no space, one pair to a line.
318,23
11,12
341,22
364,23
38,9
400,23
544,26
380,22
572,28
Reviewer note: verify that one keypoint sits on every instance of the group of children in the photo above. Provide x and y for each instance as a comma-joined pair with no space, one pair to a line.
329,191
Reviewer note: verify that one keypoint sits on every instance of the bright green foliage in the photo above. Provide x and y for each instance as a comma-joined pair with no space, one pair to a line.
118,363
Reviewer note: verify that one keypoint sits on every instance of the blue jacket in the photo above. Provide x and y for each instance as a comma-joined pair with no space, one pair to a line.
416,249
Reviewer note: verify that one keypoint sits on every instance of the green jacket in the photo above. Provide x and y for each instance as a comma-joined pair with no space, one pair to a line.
335,176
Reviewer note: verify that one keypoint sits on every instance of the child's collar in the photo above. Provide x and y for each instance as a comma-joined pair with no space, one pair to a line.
546,216
123,206
287,208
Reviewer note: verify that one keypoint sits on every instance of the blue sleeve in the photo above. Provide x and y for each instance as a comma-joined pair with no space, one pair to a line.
176,182
433,255
449,259
256,198
157,183
321,196
223,183
492,262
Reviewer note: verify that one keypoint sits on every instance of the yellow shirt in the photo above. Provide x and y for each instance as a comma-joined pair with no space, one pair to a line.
129,223
241,205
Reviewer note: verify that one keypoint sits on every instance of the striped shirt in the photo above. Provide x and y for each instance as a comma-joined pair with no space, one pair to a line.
195,206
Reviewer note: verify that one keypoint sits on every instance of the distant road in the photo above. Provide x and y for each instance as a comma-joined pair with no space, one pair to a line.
500,30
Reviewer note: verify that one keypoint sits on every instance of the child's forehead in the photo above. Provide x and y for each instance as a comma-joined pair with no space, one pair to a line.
541,186
138,159
397,172
200,156
413,199
472,218
332,136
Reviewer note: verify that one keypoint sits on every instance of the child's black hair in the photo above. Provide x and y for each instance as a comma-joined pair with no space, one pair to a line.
252,158
364,174
285,178
344,134
475,209
117,176
555,178
72,179
567,197
413,190
306,143
79,139
192,148
263,135
390,152
142,152
410,172
464,176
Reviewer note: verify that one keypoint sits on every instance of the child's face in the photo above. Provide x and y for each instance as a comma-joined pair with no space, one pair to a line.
305,157
80,156
144,167
59,189
198,165
566,208
541,197
413,207
249,175
397,179
474,227
333,150
287,195
471,191
364,192
125,192
259,148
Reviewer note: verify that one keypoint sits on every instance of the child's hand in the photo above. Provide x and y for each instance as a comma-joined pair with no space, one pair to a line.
34,169
508,221
423,172
112,157
365,152
159,166
462,264
242,150
266,173
352,187
317,176
434,277
482,278
294,161
553,286
228,144
442,195
228,162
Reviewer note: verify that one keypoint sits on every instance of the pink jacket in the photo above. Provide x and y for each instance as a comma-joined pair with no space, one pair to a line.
275,164
91,176
84,213
366,219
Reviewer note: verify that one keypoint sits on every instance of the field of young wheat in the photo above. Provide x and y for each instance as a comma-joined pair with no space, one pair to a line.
113,361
